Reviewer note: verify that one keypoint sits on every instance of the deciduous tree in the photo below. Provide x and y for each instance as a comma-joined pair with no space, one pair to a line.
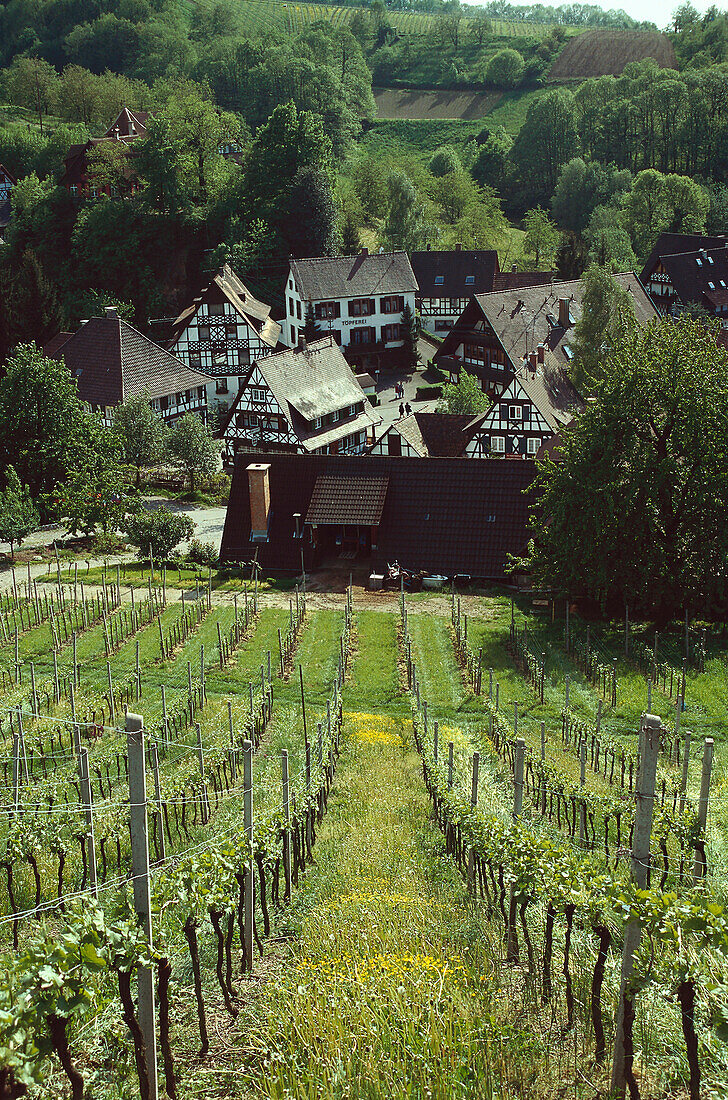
18,515
141,432
192,448
161,530
464,396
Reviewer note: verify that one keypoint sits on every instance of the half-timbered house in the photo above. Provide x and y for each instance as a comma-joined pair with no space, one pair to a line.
496,332
426,435
538,401
688,272
303,399
111,361
448,280
357,299
222,333
128,128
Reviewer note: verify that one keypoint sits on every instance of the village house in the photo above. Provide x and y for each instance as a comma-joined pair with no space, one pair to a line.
448,280
539,400
7,183
688,272
111,362
304,399
441,515
426,435
222,333
496,333
127,128
357,299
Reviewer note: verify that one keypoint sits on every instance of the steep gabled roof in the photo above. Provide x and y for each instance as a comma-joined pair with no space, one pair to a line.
321,278
552,392
512,280
5,174
524,318
430,435
310,381
111,361
234,290
443,515
673,244
131,124
454,269
700,277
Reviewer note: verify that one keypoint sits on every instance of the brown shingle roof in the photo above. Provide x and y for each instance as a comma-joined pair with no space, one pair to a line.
674,244
323,277
347,497
512,280
444,515
111,360
234,290
454,267
430,435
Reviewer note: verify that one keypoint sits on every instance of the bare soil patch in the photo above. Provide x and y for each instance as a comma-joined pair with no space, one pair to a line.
604,51
414,103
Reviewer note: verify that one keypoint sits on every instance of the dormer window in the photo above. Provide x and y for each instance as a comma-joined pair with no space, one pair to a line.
439,280
469,280
699,261
710,259
568,352
711,285
317,422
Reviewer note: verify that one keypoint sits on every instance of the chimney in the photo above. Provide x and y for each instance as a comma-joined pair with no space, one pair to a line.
458,247
110,313
540,350
514,268
297,521
364,252
564,312
259,489
533,360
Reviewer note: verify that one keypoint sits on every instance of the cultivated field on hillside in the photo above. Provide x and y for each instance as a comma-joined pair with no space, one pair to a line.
603,52
415,103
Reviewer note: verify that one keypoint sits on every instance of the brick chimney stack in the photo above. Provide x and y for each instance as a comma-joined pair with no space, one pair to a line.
259,490
564,304
540,351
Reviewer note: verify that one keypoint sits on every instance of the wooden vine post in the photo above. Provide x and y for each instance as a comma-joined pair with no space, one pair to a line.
473,802
286,824
249,903
85,778
645,799
700,866
512,941
142,894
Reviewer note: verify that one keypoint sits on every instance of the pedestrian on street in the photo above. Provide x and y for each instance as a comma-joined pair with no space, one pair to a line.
401,410
408,409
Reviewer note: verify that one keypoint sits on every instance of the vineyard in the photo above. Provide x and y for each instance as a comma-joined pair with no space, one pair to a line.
261,15
249,890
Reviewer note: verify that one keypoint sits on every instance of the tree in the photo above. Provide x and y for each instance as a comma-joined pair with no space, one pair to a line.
311,328
109,168
18,515
581,187
542,237
609,242
350,241
309,223
636,510
480,26
607,315
545,142
32,83
445,160
32,307
408,330
455,193
464,396
161,530
505,69
192,448
93,496
141,432
405,226
45,430
658,203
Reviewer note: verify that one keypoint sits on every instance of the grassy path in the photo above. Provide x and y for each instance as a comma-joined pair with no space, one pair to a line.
387,985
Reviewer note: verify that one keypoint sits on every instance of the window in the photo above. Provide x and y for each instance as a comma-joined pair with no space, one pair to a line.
298,310
216,309
335,417
318,422
204,332
366,335
711,285
533,444
163,402
392,304
361,307
699,261
231,329
291,310
290,284
568,352
390,332
201,392
243,357
710,260
515,412
327,311
498,444
439,280
294,337
195,359
469,280
221,386
219,358
74,189
257,396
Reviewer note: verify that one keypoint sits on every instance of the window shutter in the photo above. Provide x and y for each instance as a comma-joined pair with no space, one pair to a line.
337,309
351,309
504,412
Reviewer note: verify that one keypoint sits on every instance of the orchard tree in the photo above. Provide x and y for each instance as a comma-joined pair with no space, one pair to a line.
141,432
192,448
18,515
636,509
160,530
93,497
464,396
445,160
32,83
505,69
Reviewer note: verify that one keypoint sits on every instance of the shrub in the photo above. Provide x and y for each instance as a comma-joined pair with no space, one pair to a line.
505,69
427,393
444,161
202,553
161,529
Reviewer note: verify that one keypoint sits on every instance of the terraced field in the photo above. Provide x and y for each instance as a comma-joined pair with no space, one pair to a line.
406,103
604,52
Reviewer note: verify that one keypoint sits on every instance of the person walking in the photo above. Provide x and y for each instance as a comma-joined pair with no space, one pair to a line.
401,410
408,409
